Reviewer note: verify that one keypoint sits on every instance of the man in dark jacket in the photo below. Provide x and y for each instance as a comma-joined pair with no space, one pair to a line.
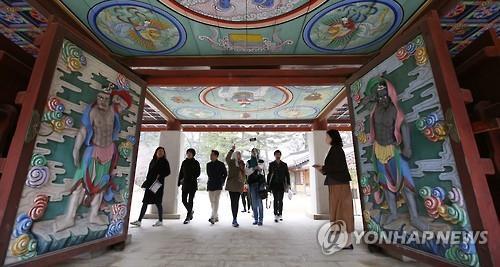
217,173
278,179
188,178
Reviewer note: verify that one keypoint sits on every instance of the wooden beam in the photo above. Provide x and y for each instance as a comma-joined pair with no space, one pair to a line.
153,122
487,53
467,95
339,121
16,52
487,166
340,128
146,128
342,72
174,125
268,77
249,81
20,97
184,61
486,126
339,100
156,104
14,77
486,39
319,124
241,128
448,36
2,164
245,122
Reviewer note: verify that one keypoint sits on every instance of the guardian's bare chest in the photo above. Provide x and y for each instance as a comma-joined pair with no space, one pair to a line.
102,119
384,116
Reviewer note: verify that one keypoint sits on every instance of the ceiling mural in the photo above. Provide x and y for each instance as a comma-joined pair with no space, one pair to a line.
352,25
242,27
246,102
240,14
137,26
21,23
468,20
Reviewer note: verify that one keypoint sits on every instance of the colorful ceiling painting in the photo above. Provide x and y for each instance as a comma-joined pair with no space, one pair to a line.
468,20
231,27
21,23
246,102
352,25
137,26
243,14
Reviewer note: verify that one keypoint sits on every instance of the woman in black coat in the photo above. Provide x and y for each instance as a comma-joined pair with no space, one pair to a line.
338,182
158,170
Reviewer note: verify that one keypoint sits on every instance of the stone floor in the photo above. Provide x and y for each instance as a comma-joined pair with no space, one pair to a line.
292,242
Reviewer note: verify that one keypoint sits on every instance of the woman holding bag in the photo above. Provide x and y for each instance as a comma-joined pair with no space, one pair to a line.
256,179
155,179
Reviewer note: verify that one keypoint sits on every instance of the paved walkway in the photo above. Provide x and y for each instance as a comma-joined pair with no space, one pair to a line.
288,243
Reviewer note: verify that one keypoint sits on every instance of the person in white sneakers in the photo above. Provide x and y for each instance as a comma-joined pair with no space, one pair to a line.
278,180
217,173
158,170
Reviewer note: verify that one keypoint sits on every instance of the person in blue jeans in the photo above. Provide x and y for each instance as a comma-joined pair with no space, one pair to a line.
254,171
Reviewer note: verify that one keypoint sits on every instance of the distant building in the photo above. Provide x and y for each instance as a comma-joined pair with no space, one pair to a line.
298,165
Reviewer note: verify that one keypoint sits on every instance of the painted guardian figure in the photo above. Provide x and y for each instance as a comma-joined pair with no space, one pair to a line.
100,126
392,149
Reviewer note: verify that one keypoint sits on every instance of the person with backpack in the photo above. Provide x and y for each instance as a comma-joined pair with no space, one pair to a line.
217,173
278,180
235,183
256,181
158,170
188,178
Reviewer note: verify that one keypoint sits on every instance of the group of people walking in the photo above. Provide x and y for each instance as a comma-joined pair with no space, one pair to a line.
248,180
245,180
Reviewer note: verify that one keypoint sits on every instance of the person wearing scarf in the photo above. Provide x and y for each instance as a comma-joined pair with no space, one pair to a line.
255,179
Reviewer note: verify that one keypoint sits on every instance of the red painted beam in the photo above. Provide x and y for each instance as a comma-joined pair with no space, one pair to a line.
2,164
145,128
245,122
247,77
246,129
184,61
338,72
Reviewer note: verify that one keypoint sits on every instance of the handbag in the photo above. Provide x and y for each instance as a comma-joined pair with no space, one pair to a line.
155,186
263,191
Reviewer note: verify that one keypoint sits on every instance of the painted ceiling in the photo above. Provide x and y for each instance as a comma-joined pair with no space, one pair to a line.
246,102
21,24
233,27
468,20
